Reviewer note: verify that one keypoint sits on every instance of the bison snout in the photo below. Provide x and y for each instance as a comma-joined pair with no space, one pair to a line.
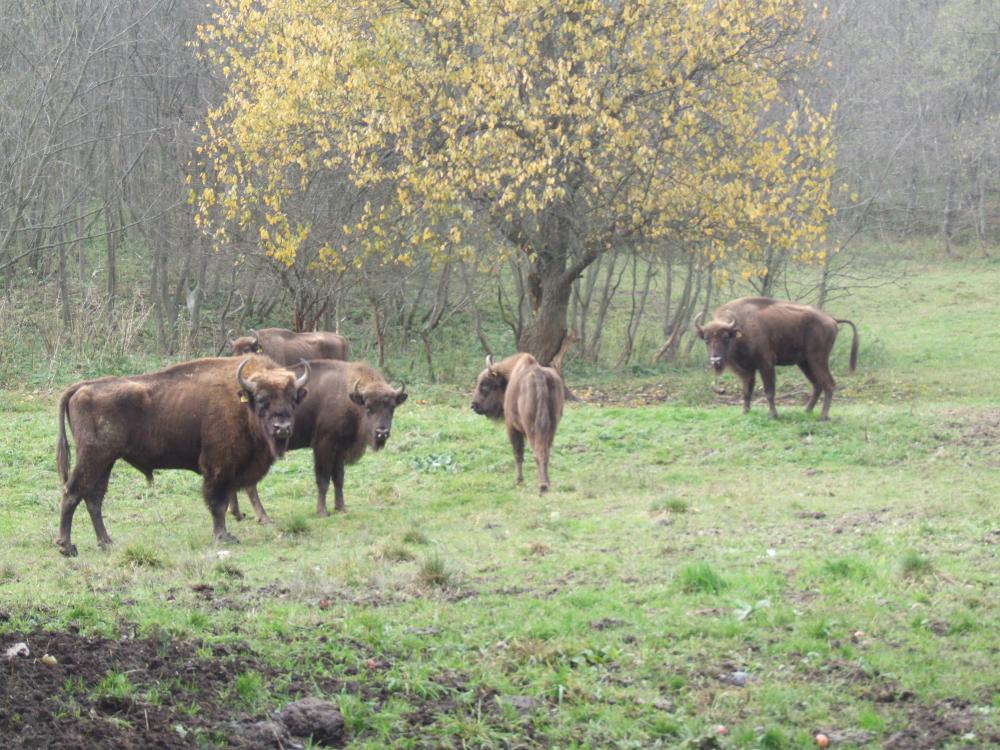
476,408
716,362
381,435
282,430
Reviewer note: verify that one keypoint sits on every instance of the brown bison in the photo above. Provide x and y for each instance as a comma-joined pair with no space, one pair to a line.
288,348
758,333
529,398
222,418
349,409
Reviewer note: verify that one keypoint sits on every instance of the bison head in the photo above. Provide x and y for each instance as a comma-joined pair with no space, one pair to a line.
247,344
272,395
490,389
379,400
720,337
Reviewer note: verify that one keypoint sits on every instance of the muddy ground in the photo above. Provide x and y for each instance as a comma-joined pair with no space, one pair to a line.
178,694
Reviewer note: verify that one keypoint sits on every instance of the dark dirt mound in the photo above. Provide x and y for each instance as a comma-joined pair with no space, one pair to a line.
159,692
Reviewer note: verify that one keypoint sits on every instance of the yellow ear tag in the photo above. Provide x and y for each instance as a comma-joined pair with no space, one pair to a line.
243,397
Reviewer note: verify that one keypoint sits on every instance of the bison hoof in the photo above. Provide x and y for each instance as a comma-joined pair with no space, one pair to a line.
105,545
65,548
239,516
226,538
266,520
542,489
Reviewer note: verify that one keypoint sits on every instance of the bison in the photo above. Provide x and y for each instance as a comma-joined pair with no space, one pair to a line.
529,398
223,418
288,348
349,409
758,333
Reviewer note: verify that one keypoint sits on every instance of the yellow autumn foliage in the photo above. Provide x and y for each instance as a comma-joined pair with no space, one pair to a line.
637,120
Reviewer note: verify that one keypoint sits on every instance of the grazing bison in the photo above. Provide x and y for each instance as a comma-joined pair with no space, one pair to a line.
529,398
222,418
349,408
758,333
288,348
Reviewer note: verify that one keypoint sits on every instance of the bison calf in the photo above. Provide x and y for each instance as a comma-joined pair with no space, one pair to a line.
223,418
529,398
349,409
759,333
288,348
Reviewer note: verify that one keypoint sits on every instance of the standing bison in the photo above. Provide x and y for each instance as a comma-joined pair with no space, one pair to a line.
529,398
758,333
222,418
288,348
349,409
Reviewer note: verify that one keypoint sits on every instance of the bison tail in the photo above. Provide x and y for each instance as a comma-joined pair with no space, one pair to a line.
62,446
543,405
854,342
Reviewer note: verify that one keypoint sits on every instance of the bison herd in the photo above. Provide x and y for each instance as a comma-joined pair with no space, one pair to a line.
230,418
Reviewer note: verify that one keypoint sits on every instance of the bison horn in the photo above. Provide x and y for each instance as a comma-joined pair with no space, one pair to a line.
732,319
245,384
355,389
302,379
697,321
401,390
489,361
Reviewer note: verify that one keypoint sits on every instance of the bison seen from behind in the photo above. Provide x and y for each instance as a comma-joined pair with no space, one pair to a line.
223,418
759,333
349,409
529,398
288,348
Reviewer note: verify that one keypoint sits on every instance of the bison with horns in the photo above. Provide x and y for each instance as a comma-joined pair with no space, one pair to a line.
349,409
529,399
759,333
223,418
288,348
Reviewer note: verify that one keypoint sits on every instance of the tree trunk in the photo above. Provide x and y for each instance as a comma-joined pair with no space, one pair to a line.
550,289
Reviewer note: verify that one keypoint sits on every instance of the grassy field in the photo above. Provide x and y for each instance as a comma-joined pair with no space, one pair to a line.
697,578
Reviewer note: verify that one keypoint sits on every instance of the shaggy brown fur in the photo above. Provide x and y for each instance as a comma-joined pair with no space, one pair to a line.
349,409
188,416
288,348
759,333
529,398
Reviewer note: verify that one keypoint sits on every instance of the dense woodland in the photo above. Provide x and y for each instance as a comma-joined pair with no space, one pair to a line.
104,250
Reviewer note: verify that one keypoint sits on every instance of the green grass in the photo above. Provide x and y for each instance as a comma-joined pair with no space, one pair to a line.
848,567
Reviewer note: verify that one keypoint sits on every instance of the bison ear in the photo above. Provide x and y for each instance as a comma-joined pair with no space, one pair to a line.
300,396
401,396
357,398
245,396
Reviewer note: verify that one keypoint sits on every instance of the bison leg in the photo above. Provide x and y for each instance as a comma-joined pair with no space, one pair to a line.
218,500
541,451
517,443
817,388
338,484
827,383
95,501
323,467
69,502
749,381
767,375
82,485
258,506
234,509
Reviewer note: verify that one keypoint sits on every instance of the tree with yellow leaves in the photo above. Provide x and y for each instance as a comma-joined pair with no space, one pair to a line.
554,129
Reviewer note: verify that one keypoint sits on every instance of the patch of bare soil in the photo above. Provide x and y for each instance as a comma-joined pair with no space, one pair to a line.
177,696
61,706
646,394
934,726
977,429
